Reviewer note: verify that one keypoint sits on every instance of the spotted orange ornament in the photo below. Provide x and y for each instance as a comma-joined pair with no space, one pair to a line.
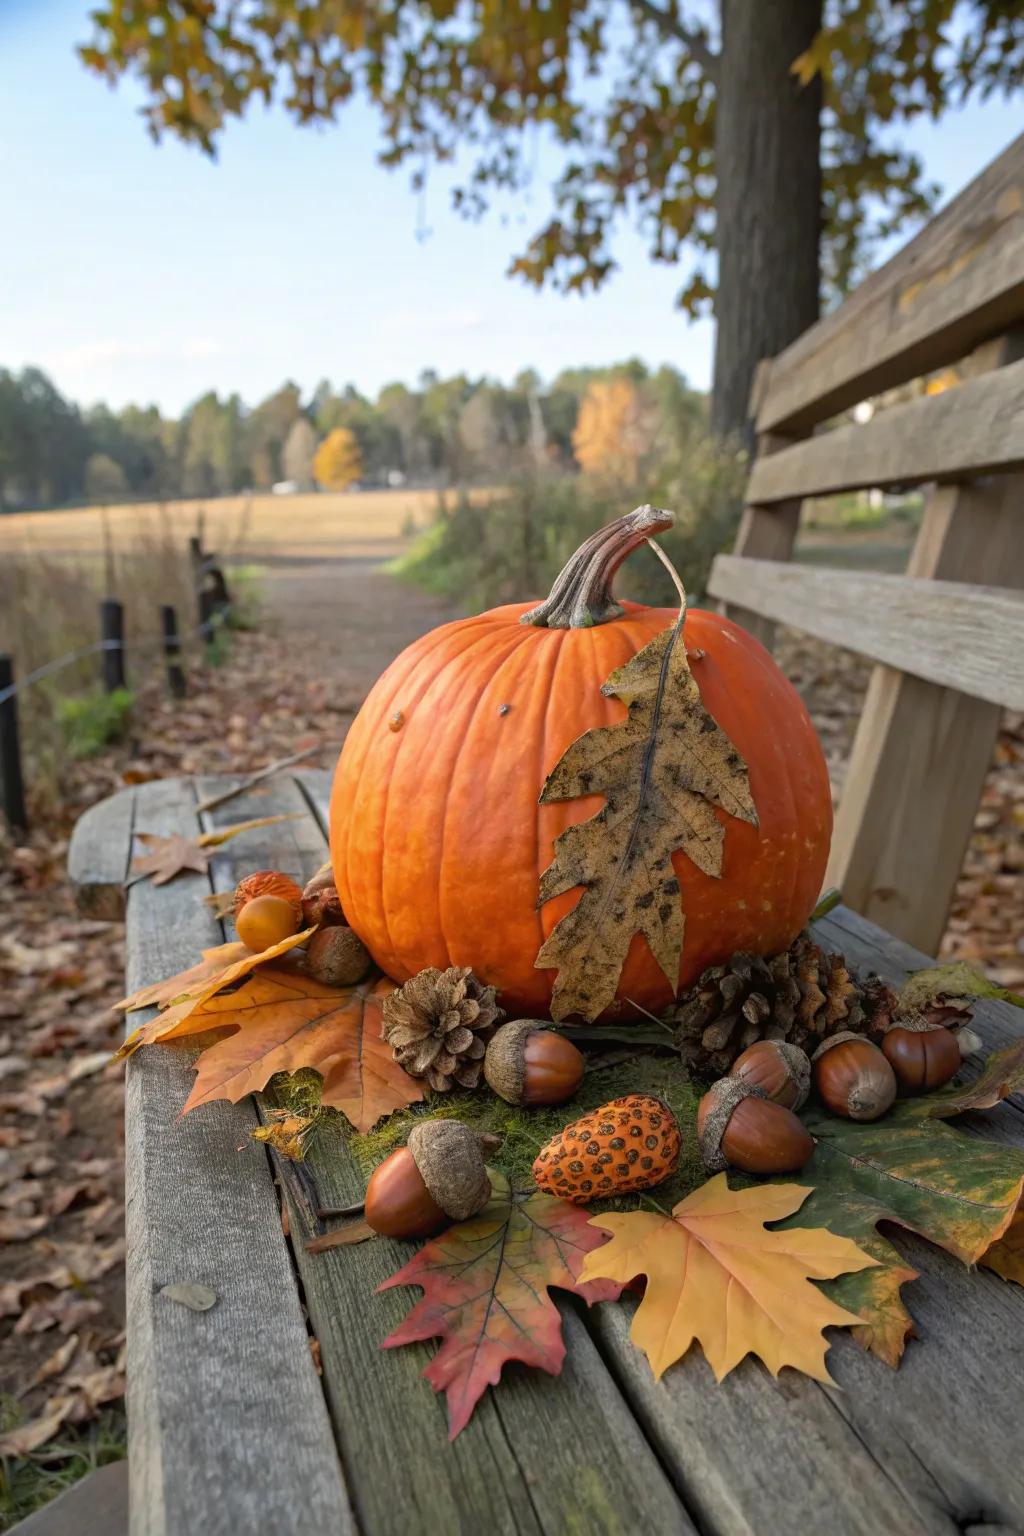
631,1143
268,882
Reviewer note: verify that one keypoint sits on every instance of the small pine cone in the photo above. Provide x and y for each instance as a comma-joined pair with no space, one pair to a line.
438,1026
801,995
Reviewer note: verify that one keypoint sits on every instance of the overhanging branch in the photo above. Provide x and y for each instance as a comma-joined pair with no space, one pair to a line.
672,25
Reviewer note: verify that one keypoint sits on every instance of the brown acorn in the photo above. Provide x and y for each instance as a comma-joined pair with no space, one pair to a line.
320,900
852,1077
738,1126
440,1176
337,957
526,1064
782,1071
922,1055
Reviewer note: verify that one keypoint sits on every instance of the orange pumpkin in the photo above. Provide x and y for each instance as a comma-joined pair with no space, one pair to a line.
437,839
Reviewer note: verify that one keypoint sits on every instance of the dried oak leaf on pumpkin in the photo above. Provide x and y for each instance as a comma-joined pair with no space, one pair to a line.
718,1277
485,1293
959,1192
282,1020
663,771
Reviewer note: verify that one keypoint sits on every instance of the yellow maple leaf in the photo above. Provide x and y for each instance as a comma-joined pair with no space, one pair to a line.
716,1276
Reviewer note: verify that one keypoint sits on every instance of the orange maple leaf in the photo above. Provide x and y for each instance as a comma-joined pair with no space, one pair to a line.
283,1020
187,991
1006,1256
718,1277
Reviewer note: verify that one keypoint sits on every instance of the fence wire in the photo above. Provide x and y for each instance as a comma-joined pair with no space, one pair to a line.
60,662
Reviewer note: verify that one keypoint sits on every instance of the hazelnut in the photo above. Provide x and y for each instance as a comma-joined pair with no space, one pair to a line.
320,900
922,1055
527,1064
852,1077
739,1126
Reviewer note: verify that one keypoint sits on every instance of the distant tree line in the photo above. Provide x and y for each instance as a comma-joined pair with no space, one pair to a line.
441,432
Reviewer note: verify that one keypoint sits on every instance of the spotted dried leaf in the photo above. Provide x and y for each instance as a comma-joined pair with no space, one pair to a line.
663,772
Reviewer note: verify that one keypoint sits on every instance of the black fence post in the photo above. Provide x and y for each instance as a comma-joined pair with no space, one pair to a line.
11,782
112,635
207,609
172,651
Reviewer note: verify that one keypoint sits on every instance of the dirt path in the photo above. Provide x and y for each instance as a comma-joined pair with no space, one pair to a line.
358,617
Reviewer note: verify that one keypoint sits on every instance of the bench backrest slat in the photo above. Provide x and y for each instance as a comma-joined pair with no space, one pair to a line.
958,282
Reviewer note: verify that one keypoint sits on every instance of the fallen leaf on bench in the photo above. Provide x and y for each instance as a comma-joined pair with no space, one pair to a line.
174,855
1001,1074
718,1277
176,1019
198,1298
622,856
283,1020
957,1191
1006,1256
485,1293
955,980
187,982
341,1237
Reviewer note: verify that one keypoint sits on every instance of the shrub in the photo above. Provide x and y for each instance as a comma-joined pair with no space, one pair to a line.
94,720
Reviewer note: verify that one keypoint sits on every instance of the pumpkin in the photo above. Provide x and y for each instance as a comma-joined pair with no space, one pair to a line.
437,839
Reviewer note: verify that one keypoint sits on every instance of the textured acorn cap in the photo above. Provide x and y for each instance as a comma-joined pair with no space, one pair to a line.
837,1039
451,1163
337,957
724,1096
505,1061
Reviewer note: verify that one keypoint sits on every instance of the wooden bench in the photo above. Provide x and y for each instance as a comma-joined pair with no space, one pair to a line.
234,1433
949,636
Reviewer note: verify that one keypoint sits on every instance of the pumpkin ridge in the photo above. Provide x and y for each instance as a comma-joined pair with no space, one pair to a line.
518,636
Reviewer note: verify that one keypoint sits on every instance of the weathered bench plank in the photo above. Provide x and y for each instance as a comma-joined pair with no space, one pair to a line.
539,1456
947,632
99,855
229,1431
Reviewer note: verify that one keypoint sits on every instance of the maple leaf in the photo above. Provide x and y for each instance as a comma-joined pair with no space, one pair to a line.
1006,1256
174,855
283,1020
958,1191
184,995
717,1276
662,771
485,1293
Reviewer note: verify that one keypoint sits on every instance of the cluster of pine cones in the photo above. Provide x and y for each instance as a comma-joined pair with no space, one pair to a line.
801,995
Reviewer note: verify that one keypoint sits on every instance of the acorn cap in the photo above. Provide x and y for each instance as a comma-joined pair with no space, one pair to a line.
505,1061
337,957
724,1096
450,1159
917,1024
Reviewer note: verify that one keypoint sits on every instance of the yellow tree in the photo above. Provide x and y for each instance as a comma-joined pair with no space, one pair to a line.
337,462
613,430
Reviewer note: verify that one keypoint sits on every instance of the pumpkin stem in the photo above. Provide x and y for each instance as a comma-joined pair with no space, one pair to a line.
582,592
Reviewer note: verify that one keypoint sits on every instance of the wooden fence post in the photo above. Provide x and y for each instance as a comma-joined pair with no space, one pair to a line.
172,651
11,781
112,635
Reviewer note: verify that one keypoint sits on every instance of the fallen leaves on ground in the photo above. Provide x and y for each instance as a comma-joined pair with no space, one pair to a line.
958,1191
174,1020
485,1293
622,856
175,855
718,1277
283,1020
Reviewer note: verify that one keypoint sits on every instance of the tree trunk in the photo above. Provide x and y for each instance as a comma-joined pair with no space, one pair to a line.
768,204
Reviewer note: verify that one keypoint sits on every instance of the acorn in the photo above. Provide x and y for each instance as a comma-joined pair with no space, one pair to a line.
782,1071
320,900
923,1055
337,957
438,1177
853,1077
526,1064
267,882
739,1126
265,921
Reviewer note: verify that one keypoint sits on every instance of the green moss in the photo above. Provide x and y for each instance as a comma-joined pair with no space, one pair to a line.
524,1131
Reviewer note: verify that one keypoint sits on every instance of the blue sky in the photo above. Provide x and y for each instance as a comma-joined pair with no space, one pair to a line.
134,272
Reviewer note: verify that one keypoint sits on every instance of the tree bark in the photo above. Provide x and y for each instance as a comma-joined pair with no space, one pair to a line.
768,202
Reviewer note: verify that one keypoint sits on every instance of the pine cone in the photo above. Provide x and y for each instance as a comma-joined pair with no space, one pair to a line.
439,1024
801,996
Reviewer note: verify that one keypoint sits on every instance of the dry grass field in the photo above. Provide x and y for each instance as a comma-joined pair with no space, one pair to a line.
363,524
